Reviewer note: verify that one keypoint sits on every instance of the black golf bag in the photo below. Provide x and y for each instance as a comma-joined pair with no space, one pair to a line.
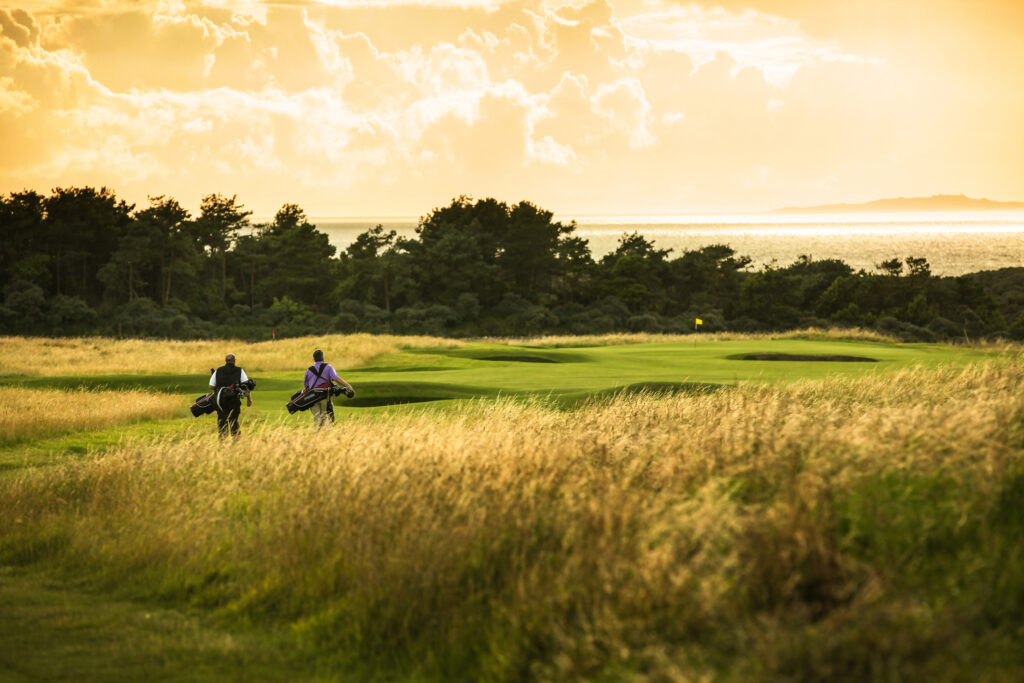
207,403
204,405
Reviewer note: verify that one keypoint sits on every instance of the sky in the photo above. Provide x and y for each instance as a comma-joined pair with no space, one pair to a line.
629,107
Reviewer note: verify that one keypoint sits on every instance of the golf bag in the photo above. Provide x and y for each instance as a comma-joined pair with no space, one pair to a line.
203,405
207,403
305,399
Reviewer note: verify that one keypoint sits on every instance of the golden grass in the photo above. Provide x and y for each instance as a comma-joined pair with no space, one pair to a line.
102,356
26,413
765,531
619,338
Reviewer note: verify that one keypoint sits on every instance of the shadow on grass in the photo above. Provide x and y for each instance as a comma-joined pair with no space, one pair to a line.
803,357
372,395
518,359
421,368
509,354
378,401
377,394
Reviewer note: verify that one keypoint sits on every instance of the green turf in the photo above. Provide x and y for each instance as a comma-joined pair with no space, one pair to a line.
566,375
437,379
55,630
571,375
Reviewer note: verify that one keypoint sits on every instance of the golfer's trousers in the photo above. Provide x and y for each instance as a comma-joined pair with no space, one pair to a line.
228,418
323,412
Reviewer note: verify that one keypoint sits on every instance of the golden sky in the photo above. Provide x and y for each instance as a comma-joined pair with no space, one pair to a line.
385,108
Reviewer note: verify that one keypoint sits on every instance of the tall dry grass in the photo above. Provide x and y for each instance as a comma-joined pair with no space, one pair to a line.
619,338
27,413
847,529
102,356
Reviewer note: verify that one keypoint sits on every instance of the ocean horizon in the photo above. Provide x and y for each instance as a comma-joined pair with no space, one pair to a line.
954,243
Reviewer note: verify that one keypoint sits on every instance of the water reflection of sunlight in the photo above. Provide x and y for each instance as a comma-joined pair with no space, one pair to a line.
994,221
953,243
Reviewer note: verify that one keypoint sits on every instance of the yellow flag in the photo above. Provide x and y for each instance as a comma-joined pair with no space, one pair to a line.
699,321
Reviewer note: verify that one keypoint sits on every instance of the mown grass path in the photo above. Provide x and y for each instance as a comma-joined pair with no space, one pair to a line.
55,630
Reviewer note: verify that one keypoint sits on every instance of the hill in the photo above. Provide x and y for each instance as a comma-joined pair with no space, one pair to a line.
939,202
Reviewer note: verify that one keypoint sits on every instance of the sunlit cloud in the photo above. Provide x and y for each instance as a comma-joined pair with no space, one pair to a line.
776,46
393,107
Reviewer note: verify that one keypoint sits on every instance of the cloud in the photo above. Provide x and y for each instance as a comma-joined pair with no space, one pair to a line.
625,106
20,27
599,105
158,51
775,45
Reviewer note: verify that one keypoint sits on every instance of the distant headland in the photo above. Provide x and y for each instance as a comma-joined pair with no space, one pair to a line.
939,202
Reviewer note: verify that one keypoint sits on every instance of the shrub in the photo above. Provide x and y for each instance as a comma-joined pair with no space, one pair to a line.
903,330
142,317
944,328
644,323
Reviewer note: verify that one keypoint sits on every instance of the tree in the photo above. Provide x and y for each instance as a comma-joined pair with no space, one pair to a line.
770,297
574,270
489,249
23,249
174,237
810,278
635,273
82,228
918,267
158,244
893,267
529,250
301,266
251,255
375,268
127,265
458,250
220,220
711,274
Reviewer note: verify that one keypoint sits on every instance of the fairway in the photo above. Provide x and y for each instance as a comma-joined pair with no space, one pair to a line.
565,376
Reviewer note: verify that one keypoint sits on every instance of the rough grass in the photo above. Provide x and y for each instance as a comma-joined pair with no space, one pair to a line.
29,413
813,333
101,356
846,529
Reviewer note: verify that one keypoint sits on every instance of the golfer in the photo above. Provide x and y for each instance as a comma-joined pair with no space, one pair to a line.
226,383
323,375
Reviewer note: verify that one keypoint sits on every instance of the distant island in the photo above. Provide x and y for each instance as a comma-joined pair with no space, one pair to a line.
939,202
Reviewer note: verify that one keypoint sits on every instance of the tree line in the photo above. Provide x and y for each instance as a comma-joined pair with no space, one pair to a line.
82,261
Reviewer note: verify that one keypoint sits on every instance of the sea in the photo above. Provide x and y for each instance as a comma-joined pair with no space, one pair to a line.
954,243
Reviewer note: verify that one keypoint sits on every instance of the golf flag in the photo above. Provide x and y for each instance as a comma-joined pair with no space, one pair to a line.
699,322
